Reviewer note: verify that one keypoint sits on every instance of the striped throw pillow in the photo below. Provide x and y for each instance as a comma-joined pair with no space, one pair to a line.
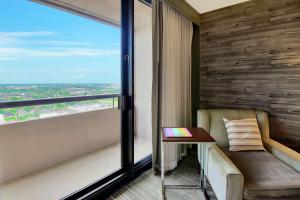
243,135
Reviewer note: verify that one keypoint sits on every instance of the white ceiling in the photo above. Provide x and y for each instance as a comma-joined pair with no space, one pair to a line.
103,10
203,6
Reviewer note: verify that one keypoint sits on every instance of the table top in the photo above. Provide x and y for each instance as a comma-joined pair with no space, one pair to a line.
199,135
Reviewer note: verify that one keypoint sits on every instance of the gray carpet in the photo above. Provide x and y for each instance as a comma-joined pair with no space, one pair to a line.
148,186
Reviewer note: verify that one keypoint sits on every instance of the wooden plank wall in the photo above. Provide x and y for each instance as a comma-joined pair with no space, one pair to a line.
250,58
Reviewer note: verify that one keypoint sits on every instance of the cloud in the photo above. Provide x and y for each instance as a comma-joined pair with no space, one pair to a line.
16,42
7,58
15,45
73,52
18,39
27,34
9,53
53,42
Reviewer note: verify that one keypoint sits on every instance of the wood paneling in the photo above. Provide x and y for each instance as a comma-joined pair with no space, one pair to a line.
250,58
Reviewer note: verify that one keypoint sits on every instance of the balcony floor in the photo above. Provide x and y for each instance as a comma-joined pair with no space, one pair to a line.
65,178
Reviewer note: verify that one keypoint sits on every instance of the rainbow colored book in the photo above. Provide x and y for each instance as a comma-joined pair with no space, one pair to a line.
177,132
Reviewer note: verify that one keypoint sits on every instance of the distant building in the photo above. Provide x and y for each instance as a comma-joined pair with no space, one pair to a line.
2,120
52,114
85,108
21,113
47,115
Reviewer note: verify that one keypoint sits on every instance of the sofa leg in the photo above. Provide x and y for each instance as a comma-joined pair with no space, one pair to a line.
205,194
207,190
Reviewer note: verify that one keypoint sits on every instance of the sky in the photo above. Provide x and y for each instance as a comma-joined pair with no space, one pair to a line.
40,44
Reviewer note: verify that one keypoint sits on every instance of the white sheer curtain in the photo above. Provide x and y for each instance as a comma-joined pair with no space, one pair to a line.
175,78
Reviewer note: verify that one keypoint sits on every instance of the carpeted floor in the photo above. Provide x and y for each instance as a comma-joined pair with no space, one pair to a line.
148,186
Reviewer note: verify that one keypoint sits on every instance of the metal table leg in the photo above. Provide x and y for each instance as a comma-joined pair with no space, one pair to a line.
162,156
201,179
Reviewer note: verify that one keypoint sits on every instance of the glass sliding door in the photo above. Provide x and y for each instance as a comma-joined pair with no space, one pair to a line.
61,81
142,79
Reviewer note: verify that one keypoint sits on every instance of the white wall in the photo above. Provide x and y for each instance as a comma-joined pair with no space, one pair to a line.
34,145
143,69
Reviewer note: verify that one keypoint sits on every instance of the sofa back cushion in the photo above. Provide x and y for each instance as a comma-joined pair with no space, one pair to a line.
216,124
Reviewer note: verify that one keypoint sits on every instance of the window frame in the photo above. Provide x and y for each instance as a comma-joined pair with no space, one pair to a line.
129,170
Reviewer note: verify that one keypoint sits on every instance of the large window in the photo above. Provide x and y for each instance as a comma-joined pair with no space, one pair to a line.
58,58
50,54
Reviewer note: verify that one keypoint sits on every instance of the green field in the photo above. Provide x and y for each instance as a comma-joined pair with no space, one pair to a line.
45,91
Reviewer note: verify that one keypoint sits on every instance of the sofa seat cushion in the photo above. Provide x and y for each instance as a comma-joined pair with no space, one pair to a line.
265,176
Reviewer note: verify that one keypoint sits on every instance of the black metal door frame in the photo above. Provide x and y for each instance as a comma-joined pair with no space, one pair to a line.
104,187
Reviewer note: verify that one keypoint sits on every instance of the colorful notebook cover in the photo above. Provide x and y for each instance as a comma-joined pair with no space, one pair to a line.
177,132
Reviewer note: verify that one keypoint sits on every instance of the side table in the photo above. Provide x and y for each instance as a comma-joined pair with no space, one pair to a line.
199,135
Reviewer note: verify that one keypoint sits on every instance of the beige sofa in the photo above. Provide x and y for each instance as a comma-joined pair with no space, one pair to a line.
271,174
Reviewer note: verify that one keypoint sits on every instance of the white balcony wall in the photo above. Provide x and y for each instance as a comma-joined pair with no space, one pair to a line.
30,146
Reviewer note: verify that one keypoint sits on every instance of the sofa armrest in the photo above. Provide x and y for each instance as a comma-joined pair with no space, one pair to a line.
285,154
224,177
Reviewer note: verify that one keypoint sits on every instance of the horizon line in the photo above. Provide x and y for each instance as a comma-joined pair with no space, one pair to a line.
54,83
